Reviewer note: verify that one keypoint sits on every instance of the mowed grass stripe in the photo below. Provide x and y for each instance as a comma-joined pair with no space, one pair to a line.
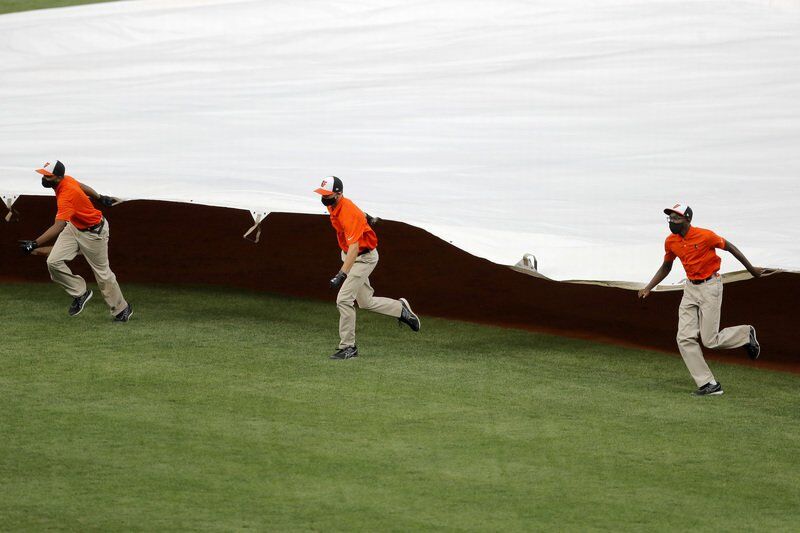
219,410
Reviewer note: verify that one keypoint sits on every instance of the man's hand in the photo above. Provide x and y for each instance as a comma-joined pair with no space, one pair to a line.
338,279
644,293
757,272
107,201
27,247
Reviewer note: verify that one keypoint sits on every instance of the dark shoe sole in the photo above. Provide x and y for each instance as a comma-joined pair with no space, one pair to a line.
335,356
718,393
342,358
407,306
757,348
91,293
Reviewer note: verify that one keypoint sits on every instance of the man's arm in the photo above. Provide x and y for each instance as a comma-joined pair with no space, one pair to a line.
91,193
107,201
51,232
735,252
662,273
350,258
30,247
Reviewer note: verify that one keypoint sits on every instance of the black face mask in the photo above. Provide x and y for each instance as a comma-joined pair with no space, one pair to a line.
675,227
328,201
47,183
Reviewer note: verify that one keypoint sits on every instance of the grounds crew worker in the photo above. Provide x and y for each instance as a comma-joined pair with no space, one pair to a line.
699,312
80,228
360,256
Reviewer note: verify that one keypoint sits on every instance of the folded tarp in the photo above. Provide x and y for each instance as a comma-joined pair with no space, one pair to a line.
559,128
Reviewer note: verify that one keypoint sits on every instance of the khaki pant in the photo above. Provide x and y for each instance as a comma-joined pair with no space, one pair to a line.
357,288
698,316
94,248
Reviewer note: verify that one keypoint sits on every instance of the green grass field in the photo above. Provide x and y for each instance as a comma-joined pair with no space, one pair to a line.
219,410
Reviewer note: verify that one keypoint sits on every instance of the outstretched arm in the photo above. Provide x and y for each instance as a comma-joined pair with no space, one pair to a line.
30,247
662,273
735,252
91,193
51,232
107,201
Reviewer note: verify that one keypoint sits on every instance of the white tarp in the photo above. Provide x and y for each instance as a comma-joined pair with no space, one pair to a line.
560,128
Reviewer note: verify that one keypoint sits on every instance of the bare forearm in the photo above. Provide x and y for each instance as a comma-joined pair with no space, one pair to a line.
350,258
51,232
735,252
659,276
91,193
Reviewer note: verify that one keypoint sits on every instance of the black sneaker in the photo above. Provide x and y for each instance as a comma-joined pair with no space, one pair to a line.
346,353
79,302
753,347
408,317
124,315
709,390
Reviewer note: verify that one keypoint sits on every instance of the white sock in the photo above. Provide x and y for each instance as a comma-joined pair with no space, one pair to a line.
713,382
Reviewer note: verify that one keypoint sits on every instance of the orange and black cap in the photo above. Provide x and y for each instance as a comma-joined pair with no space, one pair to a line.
330,185
56,170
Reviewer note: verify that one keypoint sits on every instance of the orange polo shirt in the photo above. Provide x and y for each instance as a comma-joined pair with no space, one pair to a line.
351,226
74,206
696,252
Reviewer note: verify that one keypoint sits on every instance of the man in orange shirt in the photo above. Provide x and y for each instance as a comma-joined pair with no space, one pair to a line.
359,246
79,228
699,311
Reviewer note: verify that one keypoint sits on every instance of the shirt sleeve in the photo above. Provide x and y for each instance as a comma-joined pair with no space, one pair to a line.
715,241
668,255
353,225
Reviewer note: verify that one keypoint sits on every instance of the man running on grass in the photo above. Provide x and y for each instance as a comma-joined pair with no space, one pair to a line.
359,246
79,228
699,311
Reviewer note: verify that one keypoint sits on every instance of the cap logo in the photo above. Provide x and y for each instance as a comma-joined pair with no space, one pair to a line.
47,164
676,206
324,183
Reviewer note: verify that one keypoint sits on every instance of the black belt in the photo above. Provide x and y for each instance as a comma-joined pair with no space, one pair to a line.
701,281
365,251
97,228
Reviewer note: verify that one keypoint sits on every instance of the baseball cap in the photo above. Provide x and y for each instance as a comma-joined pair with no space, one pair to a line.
54,170
681,209
330,185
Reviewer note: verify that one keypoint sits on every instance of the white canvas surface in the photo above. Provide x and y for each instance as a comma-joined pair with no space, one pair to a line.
560,128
